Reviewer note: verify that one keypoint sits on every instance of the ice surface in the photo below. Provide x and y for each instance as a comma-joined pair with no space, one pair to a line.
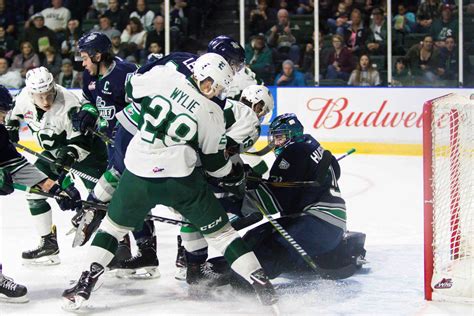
384,200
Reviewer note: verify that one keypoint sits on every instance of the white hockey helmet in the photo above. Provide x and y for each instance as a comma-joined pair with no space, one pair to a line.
216,68
39,80
255,94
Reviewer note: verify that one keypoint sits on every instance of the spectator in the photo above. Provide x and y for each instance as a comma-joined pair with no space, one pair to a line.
356,35
7,18
444,26
72,35
427,11
9,78
97,8
324,52
155,51
26,60
449,56
307,66
56,18
259,58
120,49
157,35
289,76
52,61
134,33
178,21
261,18
105,26
401,76
117,16
424,61
305,7
280,38
340,62
146,16
39,35
78,8
377,38
364,75
404,21
7,44
68,77
337,23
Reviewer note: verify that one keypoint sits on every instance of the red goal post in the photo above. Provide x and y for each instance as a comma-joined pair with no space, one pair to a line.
448,150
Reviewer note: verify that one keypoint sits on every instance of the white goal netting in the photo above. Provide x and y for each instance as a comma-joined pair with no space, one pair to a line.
452,188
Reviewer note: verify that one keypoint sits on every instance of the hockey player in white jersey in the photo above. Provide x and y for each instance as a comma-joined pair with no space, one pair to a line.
242,131
46,108
178,124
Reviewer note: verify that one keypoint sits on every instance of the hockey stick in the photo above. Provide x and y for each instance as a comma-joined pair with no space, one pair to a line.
102,136
285,235
261,152
294,184
44,158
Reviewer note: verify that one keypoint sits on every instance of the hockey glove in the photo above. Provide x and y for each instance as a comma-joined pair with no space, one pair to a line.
6,182
13,128
86,118
66,157
70,198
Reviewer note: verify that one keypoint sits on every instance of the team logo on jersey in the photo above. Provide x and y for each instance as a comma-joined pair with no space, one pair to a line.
284,164
29,115
107,112
156,169
444,284
91,85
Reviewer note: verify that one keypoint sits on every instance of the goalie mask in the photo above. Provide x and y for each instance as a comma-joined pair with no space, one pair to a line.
215,68
283,129
258,98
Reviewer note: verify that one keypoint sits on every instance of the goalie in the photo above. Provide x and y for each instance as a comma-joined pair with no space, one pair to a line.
303,189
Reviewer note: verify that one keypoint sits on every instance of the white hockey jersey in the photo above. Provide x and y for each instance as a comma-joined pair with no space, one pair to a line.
242,80
51,129
242,124
177,123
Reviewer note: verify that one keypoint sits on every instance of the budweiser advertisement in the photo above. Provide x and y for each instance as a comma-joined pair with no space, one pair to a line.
360,115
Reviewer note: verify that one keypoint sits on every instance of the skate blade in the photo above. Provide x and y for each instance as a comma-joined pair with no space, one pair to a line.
43,261
73,303
138,274
14,300
180,274
80,236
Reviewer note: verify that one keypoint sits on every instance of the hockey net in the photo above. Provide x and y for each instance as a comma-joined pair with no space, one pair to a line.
448,147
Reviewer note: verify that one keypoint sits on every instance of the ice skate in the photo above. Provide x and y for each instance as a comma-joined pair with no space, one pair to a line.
180,273
81,291
142,266
88,224
264,289
11,292
46,253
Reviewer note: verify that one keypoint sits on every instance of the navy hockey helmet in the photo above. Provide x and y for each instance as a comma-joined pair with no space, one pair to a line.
230,49
6,100
283,129
93,43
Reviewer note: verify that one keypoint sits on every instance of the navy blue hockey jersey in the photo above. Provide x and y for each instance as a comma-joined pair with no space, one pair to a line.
299,161
10,159
107,93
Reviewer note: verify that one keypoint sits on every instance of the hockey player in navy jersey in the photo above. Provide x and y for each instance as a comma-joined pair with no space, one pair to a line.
314,214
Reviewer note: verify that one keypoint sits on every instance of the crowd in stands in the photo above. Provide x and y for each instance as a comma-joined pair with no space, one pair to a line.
280,48
353,42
